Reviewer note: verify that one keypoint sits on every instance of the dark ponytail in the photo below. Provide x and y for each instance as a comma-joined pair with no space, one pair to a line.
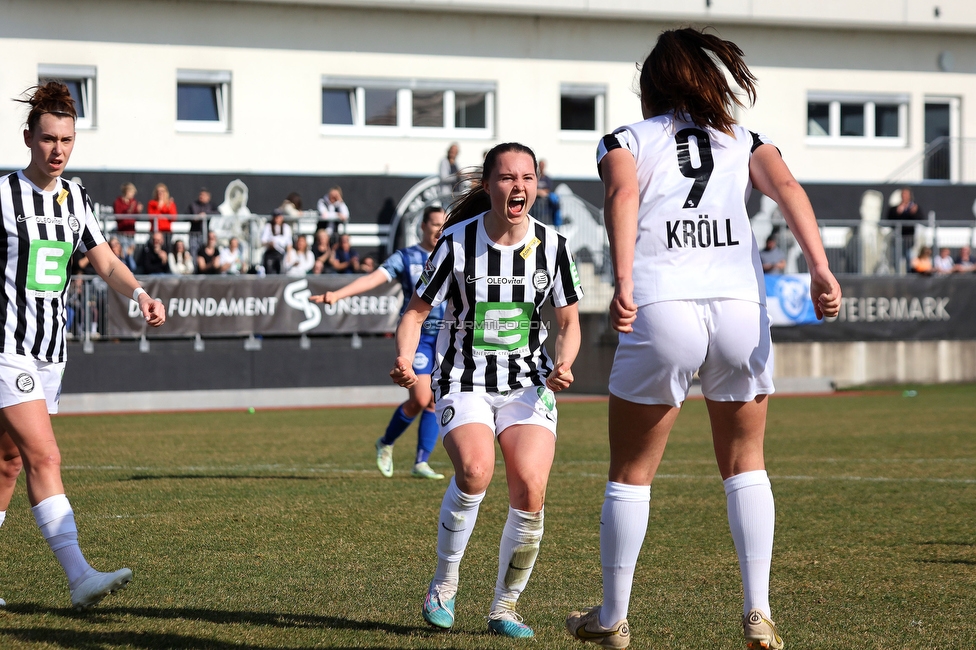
53,98
475,199
681,75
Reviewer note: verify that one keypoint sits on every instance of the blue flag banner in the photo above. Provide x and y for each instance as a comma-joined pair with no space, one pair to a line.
788,300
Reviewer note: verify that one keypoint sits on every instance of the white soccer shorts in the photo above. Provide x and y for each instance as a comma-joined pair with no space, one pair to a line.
726,341
23,379
533,405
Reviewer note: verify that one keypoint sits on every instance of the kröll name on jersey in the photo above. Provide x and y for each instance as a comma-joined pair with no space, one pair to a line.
704,233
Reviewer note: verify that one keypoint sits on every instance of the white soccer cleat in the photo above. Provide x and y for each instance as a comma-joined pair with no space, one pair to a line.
423,470
760,632
384,458
98,585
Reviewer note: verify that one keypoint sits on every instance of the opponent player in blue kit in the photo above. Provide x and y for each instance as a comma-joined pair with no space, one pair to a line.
406,265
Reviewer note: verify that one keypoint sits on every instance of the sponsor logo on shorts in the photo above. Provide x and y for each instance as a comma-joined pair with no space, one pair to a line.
546,397
447,416
420,360
74,223
540,280
25,383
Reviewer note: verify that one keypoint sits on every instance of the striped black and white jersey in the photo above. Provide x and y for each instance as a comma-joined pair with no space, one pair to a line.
491,338
39,232
694,239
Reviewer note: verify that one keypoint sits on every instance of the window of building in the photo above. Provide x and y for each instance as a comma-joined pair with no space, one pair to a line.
80,80
581,109
407,107
873,120
203,101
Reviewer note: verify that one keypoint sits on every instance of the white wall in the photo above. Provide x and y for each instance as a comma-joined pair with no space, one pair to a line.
277,54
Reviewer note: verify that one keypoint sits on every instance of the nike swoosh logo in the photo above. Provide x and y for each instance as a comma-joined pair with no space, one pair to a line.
519,568
21,218
451,529
583,633
471,280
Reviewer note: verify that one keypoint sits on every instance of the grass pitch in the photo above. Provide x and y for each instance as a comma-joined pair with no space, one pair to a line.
275,530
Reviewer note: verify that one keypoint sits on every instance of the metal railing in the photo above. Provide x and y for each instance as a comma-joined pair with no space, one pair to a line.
944,160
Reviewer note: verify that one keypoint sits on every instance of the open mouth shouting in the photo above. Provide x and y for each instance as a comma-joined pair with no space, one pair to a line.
516,206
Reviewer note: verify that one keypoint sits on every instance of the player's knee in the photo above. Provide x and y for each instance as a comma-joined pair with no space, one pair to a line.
475,476
44,462
10,468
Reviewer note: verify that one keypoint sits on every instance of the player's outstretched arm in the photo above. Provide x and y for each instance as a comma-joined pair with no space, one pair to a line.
118,276
567,347
354,288
407,339
772,177
619,171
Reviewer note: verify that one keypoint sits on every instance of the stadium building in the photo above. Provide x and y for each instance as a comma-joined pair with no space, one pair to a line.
300,95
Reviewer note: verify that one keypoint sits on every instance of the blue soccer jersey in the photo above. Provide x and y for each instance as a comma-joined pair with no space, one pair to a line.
407,265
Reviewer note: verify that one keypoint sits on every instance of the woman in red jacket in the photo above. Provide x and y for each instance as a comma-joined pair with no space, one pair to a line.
161,203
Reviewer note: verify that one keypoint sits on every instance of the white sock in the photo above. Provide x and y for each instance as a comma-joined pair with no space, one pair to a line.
752,517
459,512
3,515
623,524
516,556
57,523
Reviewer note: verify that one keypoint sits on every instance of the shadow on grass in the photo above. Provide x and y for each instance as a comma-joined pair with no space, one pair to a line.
230,477
964,562
282,620
88,640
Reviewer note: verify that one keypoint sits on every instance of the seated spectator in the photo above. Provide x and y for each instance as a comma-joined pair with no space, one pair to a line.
203,207
333,210
322,251
231,262
965,264
344,258
123,254
368,265
298,258
161,204
772,258
180,260
292,205
153,259
943,264
923,263
276,238
125,204
208,257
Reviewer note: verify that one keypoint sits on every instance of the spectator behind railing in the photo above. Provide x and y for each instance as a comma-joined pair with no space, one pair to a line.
299,260
123,254
906,210
208,256
965,264
943,264
180,260
162,204
923,263
154,259
322,251
345,259
201,207
125,204
333,210
275,237
292,205
772,258
231,262
368,265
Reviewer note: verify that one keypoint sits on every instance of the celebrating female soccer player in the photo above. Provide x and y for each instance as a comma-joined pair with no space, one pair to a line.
45,220
406,264
494,266
689,297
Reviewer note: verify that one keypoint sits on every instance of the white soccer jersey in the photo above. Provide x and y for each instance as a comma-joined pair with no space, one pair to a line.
694,240
491,339
39,232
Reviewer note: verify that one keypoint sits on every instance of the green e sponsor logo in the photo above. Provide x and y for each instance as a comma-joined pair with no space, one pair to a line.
574,274
502,325
47,265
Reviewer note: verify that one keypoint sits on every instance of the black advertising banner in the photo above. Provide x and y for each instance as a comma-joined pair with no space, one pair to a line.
896,308
243,305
